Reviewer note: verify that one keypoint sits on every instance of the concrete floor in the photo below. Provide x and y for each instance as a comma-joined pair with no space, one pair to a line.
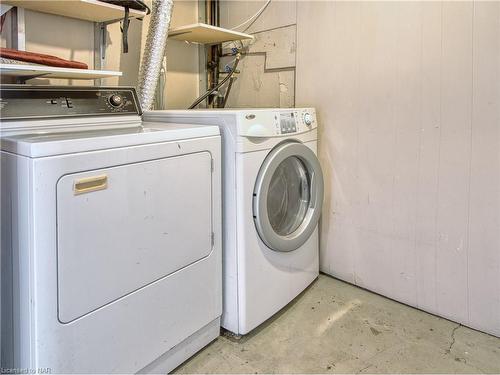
334,327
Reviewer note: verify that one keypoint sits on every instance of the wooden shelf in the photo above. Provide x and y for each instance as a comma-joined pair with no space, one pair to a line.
89,10
39,71
206,34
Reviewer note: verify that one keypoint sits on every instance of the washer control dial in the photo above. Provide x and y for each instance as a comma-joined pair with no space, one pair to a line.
308,119
115,100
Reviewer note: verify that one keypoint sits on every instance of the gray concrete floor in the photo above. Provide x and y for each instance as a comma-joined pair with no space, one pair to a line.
334,327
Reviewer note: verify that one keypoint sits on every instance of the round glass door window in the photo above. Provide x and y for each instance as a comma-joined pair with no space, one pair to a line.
289,196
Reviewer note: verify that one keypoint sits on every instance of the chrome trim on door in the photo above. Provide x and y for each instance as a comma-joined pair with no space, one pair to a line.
262,223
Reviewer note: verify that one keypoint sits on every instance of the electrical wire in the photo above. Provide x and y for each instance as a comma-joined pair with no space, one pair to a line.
253,18
219,85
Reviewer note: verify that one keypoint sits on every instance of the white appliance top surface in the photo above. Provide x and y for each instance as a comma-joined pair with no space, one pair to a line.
216,111
246,122
50,143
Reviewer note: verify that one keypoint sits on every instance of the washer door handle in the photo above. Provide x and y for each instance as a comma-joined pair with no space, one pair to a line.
314,190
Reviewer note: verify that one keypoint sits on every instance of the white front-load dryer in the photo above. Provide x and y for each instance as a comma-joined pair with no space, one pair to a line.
272,198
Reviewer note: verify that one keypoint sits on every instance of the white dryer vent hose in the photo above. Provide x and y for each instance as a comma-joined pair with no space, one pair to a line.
154,51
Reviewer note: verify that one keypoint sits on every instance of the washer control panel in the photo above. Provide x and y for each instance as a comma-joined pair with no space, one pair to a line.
276,122
24,101
308,118
295,121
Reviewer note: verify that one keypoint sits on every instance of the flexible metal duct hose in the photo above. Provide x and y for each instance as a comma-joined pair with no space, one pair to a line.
153,51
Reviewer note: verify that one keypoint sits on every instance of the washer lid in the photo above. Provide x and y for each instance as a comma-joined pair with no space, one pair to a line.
50,143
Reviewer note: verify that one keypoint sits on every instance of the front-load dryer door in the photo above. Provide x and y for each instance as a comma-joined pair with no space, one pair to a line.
123,228
288,196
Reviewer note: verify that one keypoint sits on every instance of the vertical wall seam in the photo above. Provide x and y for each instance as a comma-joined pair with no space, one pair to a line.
436,226
395,86
419,153
468,232
358,89
296,53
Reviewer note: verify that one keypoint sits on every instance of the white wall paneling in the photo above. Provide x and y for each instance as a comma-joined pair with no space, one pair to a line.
484,199
408,96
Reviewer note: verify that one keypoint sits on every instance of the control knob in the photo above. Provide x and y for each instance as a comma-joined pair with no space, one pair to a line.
115,100
307,118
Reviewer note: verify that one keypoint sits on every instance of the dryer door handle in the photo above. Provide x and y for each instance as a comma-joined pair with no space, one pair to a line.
89,184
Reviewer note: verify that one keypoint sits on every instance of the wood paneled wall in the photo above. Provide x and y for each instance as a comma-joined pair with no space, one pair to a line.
408,97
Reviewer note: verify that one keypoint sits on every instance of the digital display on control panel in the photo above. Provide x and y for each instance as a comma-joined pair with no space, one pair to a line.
287,123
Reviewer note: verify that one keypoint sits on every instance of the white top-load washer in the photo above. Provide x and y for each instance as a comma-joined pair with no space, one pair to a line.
272,198
111,234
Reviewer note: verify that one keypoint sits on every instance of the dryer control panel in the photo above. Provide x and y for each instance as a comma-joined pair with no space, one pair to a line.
276,122
24,101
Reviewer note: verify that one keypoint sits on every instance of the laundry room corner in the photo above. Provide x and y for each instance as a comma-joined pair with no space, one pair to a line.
249,187
391,113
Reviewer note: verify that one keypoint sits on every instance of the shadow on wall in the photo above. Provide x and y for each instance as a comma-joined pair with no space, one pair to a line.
180,57
50,40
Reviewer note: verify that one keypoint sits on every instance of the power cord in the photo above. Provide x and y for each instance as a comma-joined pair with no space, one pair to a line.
253,18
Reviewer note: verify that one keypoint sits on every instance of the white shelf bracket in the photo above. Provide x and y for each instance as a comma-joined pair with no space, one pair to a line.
103,41
100,44
100,41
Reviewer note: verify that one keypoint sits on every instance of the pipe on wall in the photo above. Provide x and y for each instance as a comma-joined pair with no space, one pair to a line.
214,52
